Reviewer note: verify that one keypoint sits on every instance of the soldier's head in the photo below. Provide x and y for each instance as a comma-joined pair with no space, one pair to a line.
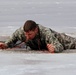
30,29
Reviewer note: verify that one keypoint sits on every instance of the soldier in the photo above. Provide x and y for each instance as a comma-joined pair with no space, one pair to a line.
38,37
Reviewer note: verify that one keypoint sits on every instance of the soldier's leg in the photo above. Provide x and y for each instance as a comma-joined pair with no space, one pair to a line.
68,41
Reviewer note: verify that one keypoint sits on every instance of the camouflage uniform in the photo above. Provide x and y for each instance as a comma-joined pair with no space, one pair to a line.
44,36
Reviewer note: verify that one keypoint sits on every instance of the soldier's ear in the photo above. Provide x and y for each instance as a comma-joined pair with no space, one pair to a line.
36,29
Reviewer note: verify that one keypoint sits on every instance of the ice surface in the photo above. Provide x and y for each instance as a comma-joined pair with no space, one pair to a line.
59,15
13,63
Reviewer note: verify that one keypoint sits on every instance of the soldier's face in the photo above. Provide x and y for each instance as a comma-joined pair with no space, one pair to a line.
31,34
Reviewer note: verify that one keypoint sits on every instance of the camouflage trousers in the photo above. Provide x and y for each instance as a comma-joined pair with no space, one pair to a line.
68,42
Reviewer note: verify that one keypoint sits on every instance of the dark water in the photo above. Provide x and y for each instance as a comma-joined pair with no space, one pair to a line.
59,15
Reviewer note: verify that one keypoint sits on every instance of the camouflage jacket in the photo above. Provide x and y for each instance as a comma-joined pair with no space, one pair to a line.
44,36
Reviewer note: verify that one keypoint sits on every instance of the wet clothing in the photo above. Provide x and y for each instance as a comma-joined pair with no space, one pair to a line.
45,36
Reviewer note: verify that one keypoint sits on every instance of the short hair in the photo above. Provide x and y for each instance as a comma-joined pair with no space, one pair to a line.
29,25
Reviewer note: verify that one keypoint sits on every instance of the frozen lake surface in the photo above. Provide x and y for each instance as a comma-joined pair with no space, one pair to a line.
18,63
59,15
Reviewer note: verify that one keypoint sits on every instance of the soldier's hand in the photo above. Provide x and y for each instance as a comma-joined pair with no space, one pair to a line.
3,45
51,48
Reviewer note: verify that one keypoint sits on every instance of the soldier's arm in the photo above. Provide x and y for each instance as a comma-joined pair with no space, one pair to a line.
51,48
14,38
3,45
52,42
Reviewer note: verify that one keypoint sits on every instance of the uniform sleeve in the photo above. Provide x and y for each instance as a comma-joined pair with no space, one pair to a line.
51,39
16,36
